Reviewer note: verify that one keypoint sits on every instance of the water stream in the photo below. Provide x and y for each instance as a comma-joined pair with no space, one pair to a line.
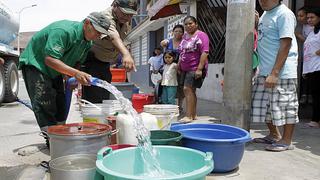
149,154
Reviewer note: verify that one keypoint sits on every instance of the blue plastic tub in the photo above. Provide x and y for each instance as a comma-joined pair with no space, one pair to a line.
226,142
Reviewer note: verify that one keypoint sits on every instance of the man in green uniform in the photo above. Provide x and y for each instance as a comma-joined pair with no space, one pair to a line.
53,52
106,51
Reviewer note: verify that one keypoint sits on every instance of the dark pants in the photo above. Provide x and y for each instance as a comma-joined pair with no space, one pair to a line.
315,92
47,96
98,69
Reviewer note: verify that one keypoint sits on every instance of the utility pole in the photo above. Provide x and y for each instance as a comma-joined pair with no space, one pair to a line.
238,62
31,6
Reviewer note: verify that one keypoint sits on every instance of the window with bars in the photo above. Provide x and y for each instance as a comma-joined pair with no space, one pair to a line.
211,16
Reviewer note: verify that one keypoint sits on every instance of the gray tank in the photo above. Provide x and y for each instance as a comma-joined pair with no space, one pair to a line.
9,56
9,25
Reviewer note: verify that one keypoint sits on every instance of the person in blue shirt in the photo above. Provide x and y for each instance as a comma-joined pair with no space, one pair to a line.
274,96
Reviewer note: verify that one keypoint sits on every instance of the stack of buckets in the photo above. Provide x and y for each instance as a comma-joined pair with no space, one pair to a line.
104,113
165,114
97,113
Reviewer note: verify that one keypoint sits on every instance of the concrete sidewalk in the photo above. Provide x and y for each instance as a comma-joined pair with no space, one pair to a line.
20,130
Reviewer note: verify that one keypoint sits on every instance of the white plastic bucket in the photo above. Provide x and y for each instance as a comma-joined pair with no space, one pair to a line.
94,116
127,133
97,113
165,114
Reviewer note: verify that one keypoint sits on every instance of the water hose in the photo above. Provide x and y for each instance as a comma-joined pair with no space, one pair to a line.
26,103
68,94
68,91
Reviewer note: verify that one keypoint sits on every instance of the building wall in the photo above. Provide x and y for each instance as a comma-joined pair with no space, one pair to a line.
144,50
139,51
211,89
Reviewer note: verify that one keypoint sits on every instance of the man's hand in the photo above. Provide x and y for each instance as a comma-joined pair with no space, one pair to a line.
271,81
198,74
128,63
83,78
164,43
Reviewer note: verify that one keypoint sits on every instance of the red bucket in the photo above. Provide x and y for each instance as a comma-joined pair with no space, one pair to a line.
139,100
118,75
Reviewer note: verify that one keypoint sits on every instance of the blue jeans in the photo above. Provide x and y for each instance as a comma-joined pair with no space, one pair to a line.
169,94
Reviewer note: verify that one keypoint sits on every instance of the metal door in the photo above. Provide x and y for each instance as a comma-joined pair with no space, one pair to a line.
211,16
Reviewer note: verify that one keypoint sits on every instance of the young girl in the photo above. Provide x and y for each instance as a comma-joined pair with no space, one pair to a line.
169,78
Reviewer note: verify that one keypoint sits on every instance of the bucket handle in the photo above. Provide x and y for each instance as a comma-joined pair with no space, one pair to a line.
90,103
208,158
242,140
113,132
103,152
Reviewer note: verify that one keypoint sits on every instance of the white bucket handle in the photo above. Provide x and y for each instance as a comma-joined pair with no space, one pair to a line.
90,103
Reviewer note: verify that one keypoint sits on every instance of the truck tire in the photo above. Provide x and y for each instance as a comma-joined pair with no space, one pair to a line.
11,81
2,86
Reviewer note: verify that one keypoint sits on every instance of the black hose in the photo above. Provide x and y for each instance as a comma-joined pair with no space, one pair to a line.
26,103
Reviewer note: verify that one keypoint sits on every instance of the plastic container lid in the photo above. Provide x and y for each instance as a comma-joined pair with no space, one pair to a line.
75,129
161,108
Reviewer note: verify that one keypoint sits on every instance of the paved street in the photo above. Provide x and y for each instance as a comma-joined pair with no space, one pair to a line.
19,134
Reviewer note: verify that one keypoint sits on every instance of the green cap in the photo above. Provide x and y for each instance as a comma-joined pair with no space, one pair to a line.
128,6
99,22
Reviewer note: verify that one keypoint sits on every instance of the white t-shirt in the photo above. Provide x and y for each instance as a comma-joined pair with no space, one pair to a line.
156,62
169,76
311,61
306,29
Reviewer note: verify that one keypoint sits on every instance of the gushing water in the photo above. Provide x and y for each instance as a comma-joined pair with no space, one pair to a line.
148,154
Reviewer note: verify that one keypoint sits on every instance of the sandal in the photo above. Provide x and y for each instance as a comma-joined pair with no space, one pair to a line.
265,140
312,124
275,147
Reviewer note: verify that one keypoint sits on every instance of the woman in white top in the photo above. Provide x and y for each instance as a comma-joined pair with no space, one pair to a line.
311,63
302,31
169,78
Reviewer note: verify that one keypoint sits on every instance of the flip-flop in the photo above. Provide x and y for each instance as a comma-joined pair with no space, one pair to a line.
265,140
312,124
306,126
275,147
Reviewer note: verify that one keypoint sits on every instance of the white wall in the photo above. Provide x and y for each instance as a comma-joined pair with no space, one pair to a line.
211,88
135,51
